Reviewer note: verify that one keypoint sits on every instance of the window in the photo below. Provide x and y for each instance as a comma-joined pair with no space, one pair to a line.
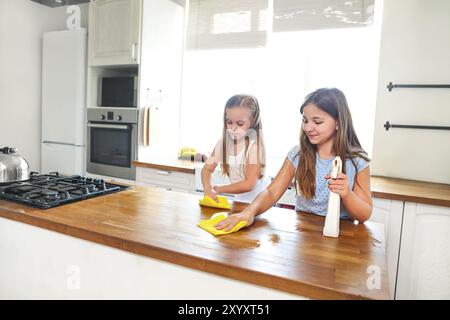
218,24
279,51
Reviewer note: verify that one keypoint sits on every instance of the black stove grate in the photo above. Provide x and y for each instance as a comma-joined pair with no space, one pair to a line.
50,190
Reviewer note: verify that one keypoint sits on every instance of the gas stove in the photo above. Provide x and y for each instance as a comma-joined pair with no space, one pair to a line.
50,190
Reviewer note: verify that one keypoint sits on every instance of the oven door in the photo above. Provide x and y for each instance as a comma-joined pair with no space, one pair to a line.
111,149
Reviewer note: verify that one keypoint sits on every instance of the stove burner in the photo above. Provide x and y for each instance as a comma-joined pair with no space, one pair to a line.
50,190
50,195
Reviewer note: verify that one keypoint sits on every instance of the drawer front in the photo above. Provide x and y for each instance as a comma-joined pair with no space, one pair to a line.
166,179
167,188
288,198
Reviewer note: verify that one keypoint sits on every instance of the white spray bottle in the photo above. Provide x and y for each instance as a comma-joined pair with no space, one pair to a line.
331,227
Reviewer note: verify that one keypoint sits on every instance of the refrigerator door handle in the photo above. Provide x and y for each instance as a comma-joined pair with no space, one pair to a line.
63,143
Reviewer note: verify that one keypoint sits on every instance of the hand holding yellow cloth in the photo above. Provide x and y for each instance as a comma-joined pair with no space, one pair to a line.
209,202
208,225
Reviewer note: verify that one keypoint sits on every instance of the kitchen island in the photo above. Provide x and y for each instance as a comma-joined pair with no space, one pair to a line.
164,254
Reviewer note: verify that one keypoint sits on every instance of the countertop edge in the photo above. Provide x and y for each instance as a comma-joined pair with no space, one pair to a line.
177,258
160,166
408,198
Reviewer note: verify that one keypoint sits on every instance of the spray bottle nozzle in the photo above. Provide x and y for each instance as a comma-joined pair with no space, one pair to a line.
337,167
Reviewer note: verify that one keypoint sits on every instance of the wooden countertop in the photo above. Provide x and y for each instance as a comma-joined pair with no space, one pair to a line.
436,194
382,187
283,250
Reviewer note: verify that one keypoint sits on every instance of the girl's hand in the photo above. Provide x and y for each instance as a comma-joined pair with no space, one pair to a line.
339,185
233,220
217,189
212,194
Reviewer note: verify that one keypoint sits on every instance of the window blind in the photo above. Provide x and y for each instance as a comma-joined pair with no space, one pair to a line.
297,15
215,24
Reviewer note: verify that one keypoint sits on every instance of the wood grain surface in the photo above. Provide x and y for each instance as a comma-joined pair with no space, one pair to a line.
283,250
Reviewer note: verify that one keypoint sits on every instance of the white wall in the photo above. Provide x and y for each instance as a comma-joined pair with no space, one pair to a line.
415,49
22,23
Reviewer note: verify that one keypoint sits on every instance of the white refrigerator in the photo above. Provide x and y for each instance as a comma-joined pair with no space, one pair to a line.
63,101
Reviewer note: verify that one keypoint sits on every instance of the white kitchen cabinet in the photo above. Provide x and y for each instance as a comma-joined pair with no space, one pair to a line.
114,32
58,266
288,197
166,179
390,213
424,264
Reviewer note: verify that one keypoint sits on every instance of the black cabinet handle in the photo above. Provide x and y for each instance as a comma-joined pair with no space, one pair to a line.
387,126
391,86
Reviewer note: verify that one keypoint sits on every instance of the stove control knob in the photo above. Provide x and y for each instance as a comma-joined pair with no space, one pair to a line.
119,118
102,117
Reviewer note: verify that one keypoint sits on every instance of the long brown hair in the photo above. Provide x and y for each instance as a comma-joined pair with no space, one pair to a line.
253,134
345,143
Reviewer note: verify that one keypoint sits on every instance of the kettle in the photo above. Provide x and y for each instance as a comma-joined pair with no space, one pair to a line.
13,167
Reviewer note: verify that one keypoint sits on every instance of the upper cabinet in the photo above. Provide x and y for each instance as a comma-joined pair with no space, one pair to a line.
114,32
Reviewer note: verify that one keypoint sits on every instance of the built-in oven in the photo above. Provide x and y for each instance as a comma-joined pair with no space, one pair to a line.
112,142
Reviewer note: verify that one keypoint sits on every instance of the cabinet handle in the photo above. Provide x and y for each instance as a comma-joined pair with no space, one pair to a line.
166,173
133,51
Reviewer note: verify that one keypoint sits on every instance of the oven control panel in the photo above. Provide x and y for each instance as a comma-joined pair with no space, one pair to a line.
119,115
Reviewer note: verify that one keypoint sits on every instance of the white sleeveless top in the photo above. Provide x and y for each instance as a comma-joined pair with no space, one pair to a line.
236,175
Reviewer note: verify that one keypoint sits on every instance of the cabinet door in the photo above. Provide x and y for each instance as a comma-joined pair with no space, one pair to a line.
390,212
114,32
424,265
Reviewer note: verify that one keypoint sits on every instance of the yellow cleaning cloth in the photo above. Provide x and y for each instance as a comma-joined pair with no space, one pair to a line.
208,225
222,204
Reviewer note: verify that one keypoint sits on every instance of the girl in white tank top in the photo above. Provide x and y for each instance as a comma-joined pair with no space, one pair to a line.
240,152
237,174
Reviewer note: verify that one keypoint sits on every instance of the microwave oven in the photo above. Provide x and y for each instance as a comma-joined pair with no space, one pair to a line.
118,91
